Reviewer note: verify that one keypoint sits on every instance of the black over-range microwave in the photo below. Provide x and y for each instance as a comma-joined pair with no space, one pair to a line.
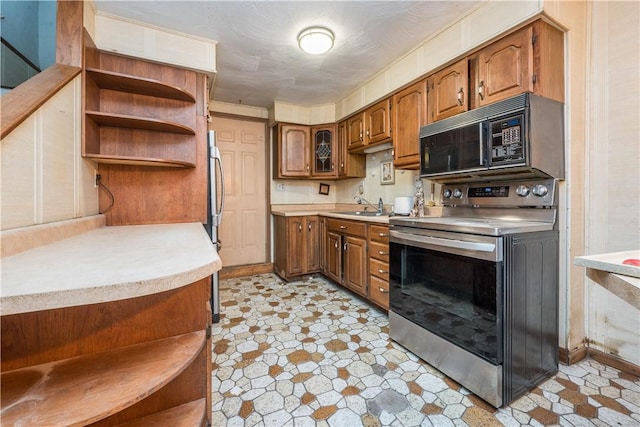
519,137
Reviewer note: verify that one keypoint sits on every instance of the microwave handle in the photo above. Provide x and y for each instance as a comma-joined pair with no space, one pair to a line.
482,134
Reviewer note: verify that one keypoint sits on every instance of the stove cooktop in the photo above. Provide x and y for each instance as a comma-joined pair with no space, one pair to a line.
483,226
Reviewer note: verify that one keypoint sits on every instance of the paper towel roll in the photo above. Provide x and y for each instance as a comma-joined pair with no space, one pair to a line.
403,205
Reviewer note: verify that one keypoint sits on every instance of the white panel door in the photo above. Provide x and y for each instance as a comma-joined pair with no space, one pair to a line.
243,231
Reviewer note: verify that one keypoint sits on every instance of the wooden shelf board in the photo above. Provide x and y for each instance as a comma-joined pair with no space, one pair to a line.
86,389
139,85
134,122
189,414
139,161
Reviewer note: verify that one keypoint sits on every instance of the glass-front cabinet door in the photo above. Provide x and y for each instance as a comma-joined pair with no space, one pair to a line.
324,151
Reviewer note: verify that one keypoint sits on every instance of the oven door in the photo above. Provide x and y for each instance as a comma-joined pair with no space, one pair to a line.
451,285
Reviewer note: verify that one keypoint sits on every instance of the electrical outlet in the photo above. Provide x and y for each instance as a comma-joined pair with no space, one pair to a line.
280,187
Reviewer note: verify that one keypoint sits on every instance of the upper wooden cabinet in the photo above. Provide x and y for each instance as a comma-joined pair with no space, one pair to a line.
529,60
449,91
315,152
370,127
409,108
137,112
293,151
324,152
350,165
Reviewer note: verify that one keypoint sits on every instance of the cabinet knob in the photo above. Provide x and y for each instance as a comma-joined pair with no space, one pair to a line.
460,97
307,168
300,227
345,247
381,271
383,253
360,136
481,90
336,245
343,227
383,290
309,226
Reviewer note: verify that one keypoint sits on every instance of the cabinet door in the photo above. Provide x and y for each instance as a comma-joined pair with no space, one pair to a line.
355,265
312,244
294,150
378,121
334,256
350,165
323,151
409,114
295,244
505,67
355,131
449,91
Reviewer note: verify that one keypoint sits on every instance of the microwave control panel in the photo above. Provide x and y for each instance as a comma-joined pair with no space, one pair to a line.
507,140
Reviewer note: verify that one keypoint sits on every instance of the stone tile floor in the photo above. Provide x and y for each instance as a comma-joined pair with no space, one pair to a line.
308,353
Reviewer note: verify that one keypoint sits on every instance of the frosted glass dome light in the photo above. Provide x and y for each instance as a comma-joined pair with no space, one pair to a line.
315,40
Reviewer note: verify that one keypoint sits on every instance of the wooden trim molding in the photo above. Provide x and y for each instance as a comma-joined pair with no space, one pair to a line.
245,270
24,100
569,357
614,362
69,30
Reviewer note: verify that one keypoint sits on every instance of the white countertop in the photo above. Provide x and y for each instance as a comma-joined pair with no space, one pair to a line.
106,264
611,262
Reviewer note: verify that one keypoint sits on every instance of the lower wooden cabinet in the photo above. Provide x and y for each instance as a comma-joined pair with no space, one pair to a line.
297,245
355,264
379,265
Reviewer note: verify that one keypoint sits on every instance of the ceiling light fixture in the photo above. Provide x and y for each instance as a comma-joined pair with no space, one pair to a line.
315,40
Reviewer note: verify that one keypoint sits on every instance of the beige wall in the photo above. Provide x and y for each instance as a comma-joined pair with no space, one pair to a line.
43,177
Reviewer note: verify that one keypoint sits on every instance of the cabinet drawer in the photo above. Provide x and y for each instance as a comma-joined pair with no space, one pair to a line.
379,292
379,233
379,269
379,251
355,228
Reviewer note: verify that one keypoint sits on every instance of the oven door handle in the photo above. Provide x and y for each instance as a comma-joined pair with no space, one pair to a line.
425,241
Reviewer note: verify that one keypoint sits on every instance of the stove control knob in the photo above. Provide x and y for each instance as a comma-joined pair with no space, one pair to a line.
457,193
447,194
522,191
540,190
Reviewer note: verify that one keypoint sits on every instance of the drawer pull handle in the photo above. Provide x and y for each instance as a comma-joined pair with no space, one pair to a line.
383,234
383,253
300,227
383,290
460,97
481,90
382,271
309,226
343,227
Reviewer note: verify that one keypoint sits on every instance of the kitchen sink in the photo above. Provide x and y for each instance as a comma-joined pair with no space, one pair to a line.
364,213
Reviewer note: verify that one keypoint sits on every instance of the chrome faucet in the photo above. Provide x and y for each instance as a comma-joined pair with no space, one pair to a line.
360,200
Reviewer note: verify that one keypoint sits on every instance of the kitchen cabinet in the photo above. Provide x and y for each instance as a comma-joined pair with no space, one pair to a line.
297,246
378,237
293,151
136,112
324,152
449,91
370,127
347,246
350,165
409,108
528,60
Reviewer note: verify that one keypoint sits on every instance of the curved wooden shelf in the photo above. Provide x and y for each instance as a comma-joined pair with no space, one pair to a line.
189,414
135,122
139,161
86,389
139,85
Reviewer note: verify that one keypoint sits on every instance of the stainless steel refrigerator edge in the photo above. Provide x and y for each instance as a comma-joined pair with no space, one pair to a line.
215,206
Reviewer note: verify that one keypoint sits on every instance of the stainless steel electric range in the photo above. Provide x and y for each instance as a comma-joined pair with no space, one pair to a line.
474,291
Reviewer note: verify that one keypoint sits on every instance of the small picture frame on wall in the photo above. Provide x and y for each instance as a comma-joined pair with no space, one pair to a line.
324,189
387,173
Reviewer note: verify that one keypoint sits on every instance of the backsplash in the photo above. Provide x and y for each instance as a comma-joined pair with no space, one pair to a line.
343,191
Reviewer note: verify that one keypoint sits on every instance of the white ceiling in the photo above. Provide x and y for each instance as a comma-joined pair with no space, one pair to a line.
258,59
